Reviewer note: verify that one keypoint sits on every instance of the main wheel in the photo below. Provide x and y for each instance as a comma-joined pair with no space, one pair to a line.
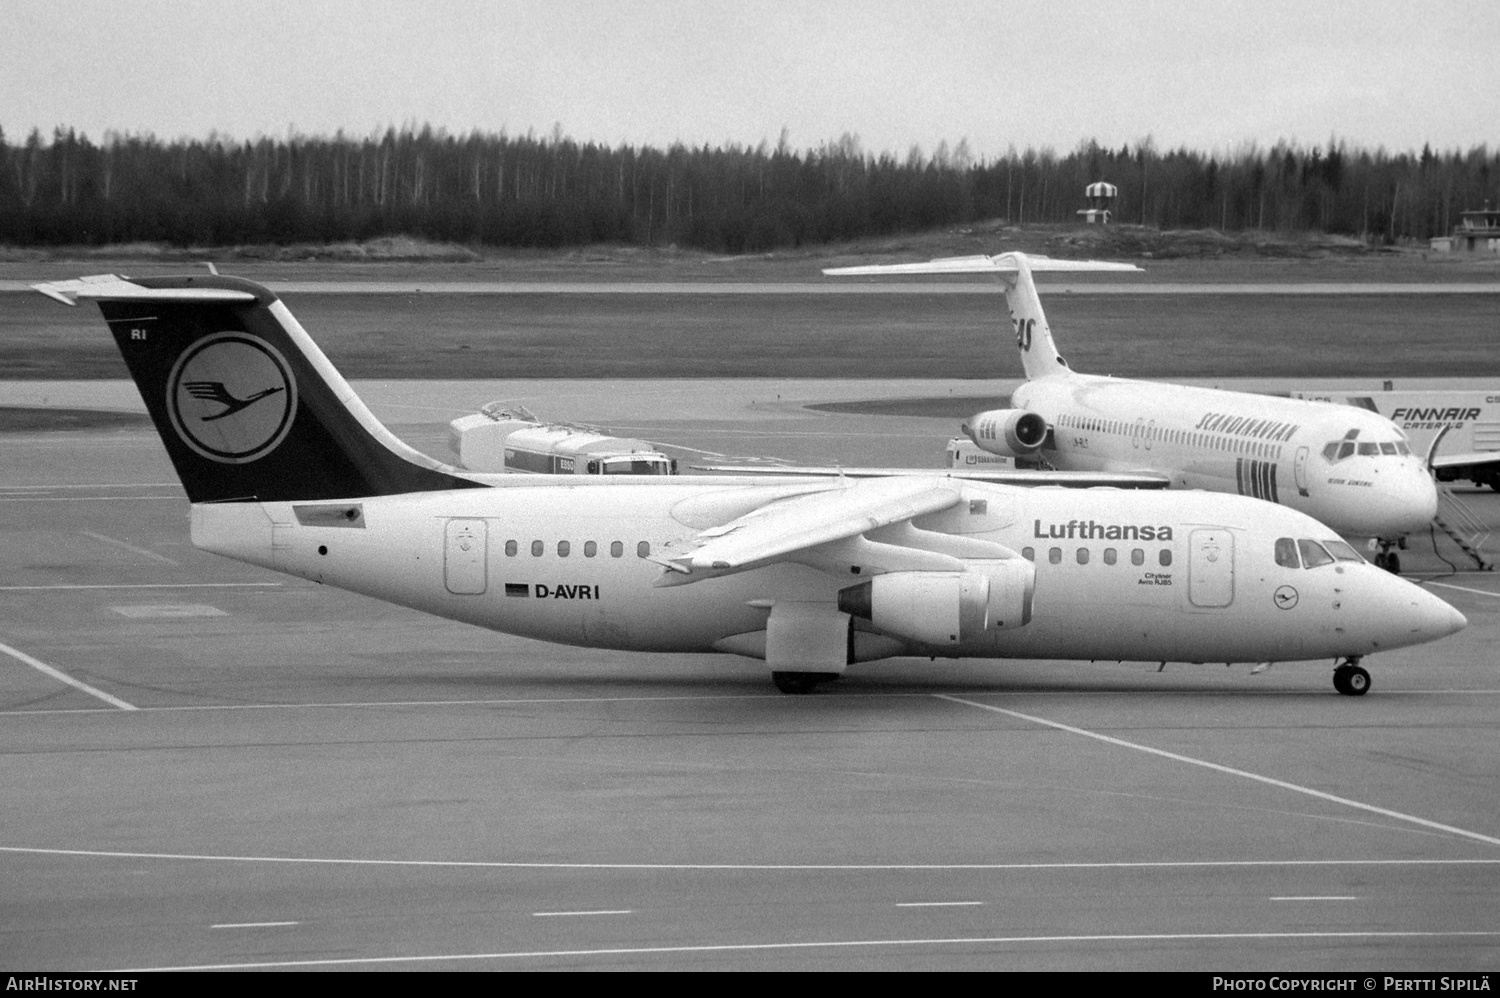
1393,563
1379,561
800,682
1351,680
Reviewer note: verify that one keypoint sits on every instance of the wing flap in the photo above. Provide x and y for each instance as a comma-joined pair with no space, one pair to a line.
791,526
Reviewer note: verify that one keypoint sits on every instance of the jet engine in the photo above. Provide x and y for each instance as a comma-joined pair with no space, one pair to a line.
1011,432
946,608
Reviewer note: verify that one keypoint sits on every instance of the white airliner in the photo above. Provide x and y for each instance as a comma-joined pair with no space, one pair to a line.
1352,470
285,468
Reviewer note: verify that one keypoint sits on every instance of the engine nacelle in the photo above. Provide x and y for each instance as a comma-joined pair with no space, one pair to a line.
946,608
1012,432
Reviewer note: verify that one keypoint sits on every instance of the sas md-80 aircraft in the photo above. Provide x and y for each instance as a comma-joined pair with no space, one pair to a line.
285,468
1353,470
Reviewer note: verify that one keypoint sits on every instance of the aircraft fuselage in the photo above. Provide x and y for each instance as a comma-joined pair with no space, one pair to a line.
1348,468
1119,575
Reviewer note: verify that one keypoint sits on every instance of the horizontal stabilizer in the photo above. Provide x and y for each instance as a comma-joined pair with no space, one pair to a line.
1001,263
997,476
112,287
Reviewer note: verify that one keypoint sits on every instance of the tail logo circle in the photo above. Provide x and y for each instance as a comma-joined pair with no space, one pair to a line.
232,397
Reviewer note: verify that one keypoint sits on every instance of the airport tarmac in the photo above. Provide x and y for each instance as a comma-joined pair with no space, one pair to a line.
210,765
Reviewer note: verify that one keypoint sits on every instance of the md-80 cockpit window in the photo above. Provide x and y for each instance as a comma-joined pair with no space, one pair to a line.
1336,450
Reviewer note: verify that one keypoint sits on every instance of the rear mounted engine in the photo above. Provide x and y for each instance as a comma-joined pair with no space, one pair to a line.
946,608
1011,432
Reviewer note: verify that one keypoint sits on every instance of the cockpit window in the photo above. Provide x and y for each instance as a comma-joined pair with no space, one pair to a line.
1346,449
1402,448
1342,551
1369,450
1388,448
1286,553
1313,554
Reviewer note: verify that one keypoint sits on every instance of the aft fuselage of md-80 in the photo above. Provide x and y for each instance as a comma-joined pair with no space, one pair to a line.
285,468
1349,468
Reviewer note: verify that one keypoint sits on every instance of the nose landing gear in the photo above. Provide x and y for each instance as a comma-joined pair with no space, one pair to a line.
1351,680
1387,558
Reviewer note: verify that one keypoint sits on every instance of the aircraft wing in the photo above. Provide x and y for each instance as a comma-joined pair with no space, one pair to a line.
794,529
997,476
1445,461
1001,263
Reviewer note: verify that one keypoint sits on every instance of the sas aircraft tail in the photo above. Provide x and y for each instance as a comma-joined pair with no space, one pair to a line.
1039,354
247,405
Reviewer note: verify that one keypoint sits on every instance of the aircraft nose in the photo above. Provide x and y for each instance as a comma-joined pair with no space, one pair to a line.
1423,616
1405,503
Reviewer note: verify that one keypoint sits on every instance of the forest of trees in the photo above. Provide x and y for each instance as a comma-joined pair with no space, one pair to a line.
525,191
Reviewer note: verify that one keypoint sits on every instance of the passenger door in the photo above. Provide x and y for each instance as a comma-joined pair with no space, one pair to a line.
1211,567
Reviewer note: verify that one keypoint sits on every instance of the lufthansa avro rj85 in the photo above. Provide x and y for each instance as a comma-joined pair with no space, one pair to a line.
1349,468
287,469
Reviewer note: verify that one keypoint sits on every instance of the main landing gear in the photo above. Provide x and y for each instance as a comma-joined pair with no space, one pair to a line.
801,682
1349,679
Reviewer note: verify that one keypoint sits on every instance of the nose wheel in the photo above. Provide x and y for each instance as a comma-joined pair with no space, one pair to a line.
1351,680
1387,558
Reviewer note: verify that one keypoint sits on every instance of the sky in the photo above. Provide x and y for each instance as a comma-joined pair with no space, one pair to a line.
1211,76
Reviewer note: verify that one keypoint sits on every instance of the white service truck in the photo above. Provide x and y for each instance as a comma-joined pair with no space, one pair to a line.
505,439
1458,432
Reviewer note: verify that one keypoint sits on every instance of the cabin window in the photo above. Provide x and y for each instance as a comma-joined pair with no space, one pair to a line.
590,549
1342,551
1286,553
1165,558
511,547
537,547
1313,554
616,549
643,549
1029,554
1083,556
1137,556
563,547
1111,556
1054,556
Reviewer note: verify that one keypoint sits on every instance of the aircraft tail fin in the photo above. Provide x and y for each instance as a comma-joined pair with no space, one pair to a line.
247,405
1039,354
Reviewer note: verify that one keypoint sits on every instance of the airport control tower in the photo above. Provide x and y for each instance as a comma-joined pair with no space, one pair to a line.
1101,201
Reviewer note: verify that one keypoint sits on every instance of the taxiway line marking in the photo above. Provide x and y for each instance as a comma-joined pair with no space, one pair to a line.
1464,589
252,925
569,914
1230,770
126,546
81,498
832,944
1315,897
938,904
60,712
150,585
92,485
743,867
63,677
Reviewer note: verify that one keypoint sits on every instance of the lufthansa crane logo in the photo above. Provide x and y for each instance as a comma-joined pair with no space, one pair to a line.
232,397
